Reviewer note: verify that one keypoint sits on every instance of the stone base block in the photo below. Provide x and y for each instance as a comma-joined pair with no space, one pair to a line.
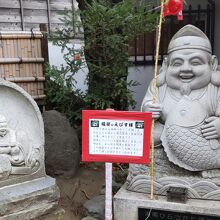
29,200
126,205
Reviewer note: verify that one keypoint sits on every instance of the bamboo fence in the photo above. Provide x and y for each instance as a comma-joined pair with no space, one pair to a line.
21,61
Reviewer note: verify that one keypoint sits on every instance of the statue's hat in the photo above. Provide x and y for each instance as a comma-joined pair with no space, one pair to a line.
190,37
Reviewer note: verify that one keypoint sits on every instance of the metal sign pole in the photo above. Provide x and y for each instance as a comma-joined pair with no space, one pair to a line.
108,191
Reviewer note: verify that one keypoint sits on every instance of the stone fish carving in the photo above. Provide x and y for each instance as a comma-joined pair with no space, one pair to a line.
183,141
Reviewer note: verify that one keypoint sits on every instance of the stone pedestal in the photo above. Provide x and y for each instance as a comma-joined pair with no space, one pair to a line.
28,200
126,205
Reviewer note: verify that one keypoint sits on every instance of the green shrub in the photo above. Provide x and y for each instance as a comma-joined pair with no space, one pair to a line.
108,29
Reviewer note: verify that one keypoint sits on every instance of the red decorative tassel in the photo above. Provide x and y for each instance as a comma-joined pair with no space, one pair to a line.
174,7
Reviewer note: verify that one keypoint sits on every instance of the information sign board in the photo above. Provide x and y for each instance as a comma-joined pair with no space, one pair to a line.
116,136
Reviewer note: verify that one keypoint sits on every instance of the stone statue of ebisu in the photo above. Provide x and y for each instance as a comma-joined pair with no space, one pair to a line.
187,114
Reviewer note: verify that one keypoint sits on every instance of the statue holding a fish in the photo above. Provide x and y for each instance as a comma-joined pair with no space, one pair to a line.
187,114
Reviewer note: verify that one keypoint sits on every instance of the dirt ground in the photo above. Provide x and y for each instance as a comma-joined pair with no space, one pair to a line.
75,191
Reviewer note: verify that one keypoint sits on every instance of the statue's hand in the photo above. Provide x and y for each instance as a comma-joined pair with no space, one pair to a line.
155,108
211,130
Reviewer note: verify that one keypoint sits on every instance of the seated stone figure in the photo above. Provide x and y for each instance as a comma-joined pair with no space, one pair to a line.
14,150
187,113
26,191
9,146
188,102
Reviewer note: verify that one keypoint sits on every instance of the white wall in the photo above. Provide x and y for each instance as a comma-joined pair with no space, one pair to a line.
56,59
143,75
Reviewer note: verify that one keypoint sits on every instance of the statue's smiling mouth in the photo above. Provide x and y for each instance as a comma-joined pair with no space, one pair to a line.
186,77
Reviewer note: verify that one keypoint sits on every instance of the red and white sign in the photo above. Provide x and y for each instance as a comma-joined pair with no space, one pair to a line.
116,136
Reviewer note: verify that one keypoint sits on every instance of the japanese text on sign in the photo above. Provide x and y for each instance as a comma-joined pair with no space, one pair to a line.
116,137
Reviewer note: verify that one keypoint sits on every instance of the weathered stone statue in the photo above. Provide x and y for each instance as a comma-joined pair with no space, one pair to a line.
187,113
26,191
16,151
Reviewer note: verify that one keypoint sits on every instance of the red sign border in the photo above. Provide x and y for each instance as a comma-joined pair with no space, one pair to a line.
116,115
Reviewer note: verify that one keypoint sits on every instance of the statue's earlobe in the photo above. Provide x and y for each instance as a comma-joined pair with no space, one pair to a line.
214,63
215,79
161,78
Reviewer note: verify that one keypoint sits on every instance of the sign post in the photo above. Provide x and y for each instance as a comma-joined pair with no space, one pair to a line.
108,191
115,137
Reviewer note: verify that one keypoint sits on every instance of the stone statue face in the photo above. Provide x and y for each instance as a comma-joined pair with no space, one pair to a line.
3,132
3,129
188,67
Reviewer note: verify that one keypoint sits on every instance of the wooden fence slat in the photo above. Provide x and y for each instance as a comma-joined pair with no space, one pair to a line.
43,47
20,35
22,14
9,4
36,97
1,48
6,17
21,61
28,14
36,4
48,15
25,79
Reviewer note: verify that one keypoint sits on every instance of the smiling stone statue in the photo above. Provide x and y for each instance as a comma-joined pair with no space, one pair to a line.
189,102
187,114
